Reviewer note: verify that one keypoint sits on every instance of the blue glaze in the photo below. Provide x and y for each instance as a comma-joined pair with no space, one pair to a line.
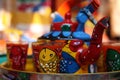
81,17
68,64
58,18
80,27
47,34
67,56
81,35
72,66
56,33
66,33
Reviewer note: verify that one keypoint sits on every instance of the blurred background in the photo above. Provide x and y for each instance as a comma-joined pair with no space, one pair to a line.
23,20
26,20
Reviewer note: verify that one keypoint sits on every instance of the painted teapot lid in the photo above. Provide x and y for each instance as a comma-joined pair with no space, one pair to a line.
67,29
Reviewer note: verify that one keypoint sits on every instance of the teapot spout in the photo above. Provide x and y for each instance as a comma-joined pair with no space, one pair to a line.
93,52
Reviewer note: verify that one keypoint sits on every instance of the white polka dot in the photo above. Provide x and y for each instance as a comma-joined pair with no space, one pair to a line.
58,37
45,69
98,46
55,61
88,51
46,64
115,56
76,43
50,69
64,69
92,59
54,64
80,50
41,64
84,57
96,36
113,68
65,65
70,62
65,61
54,70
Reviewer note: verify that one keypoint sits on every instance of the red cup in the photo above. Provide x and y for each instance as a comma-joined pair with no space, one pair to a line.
17,54
111,52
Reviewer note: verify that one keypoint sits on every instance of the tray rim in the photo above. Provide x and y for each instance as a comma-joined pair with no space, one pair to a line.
2,66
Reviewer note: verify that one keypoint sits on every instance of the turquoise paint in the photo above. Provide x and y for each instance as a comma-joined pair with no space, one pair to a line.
3,58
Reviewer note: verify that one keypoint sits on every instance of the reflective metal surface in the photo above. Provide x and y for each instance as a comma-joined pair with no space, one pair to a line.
7,73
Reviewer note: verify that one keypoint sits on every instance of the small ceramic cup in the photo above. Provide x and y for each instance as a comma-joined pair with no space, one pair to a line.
17,54
111,52
46,56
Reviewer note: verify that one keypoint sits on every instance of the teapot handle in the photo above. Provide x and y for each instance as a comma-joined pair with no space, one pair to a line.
93,52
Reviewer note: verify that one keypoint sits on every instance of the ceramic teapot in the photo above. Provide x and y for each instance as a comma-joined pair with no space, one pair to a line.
80,51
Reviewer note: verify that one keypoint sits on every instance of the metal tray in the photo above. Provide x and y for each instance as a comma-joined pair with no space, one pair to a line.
6,73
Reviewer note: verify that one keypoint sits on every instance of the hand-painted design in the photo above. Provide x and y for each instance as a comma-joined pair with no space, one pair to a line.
16,56
66,35
46,56
66,27
48,61
113,60
68,64
74,45
66,30
81,35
